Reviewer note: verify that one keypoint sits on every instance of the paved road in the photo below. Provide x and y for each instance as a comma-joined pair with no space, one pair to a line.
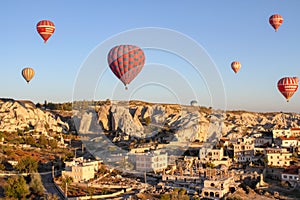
50,186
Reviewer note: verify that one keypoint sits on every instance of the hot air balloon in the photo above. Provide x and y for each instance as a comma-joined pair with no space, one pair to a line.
28,74
275,21
45,28
235,65
126,62
287,86
296,78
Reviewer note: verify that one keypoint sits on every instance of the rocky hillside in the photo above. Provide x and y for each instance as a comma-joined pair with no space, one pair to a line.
23,115
185,123
136,119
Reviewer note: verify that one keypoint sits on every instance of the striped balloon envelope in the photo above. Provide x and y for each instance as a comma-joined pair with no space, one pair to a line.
275,21
28,74
287,86
45,28
126,62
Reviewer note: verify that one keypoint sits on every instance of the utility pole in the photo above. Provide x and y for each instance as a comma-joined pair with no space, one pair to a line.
145,177
66,190
52,171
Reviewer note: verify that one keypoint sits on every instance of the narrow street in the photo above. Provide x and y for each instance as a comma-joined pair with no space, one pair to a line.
50,186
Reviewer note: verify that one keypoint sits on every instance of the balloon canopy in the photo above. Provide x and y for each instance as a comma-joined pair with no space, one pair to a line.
126,62
45,28
28,74
236,65
287,86
275,21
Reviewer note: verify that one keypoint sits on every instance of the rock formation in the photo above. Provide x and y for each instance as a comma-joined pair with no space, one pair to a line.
136,119
194,122
23,115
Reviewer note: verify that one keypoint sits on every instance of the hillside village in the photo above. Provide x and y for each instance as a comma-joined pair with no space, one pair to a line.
140,150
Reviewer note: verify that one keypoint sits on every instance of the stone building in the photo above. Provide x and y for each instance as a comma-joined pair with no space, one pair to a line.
286,142
152,161
292,132
210,154
80,169
217,183
291,175
278,157
213,155
263,141
244,150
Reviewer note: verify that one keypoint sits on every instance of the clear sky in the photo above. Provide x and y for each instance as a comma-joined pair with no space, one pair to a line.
227,30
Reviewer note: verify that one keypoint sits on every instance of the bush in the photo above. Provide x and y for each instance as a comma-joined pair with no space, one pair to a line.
16,187
27,165
147,121
165,197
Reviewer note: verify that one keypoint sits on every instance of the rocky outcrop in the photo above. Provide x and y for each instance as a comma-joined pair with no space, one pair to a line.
193,122
121,119
142,120
23,115
148,120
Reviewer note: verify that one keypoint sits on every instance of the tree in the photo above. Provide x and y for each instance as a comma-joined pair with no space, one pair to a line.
210,165
104,191
52,143
27,165
43,141
30,140
2,167
176,195
52,197
16,188
67,180
70,155
36,184
182,194
38,105
91,191
165,197
265,160
147,121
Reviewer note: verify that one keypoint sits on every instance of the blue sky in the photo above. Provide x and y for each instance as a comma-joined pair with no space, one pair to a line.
227,30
